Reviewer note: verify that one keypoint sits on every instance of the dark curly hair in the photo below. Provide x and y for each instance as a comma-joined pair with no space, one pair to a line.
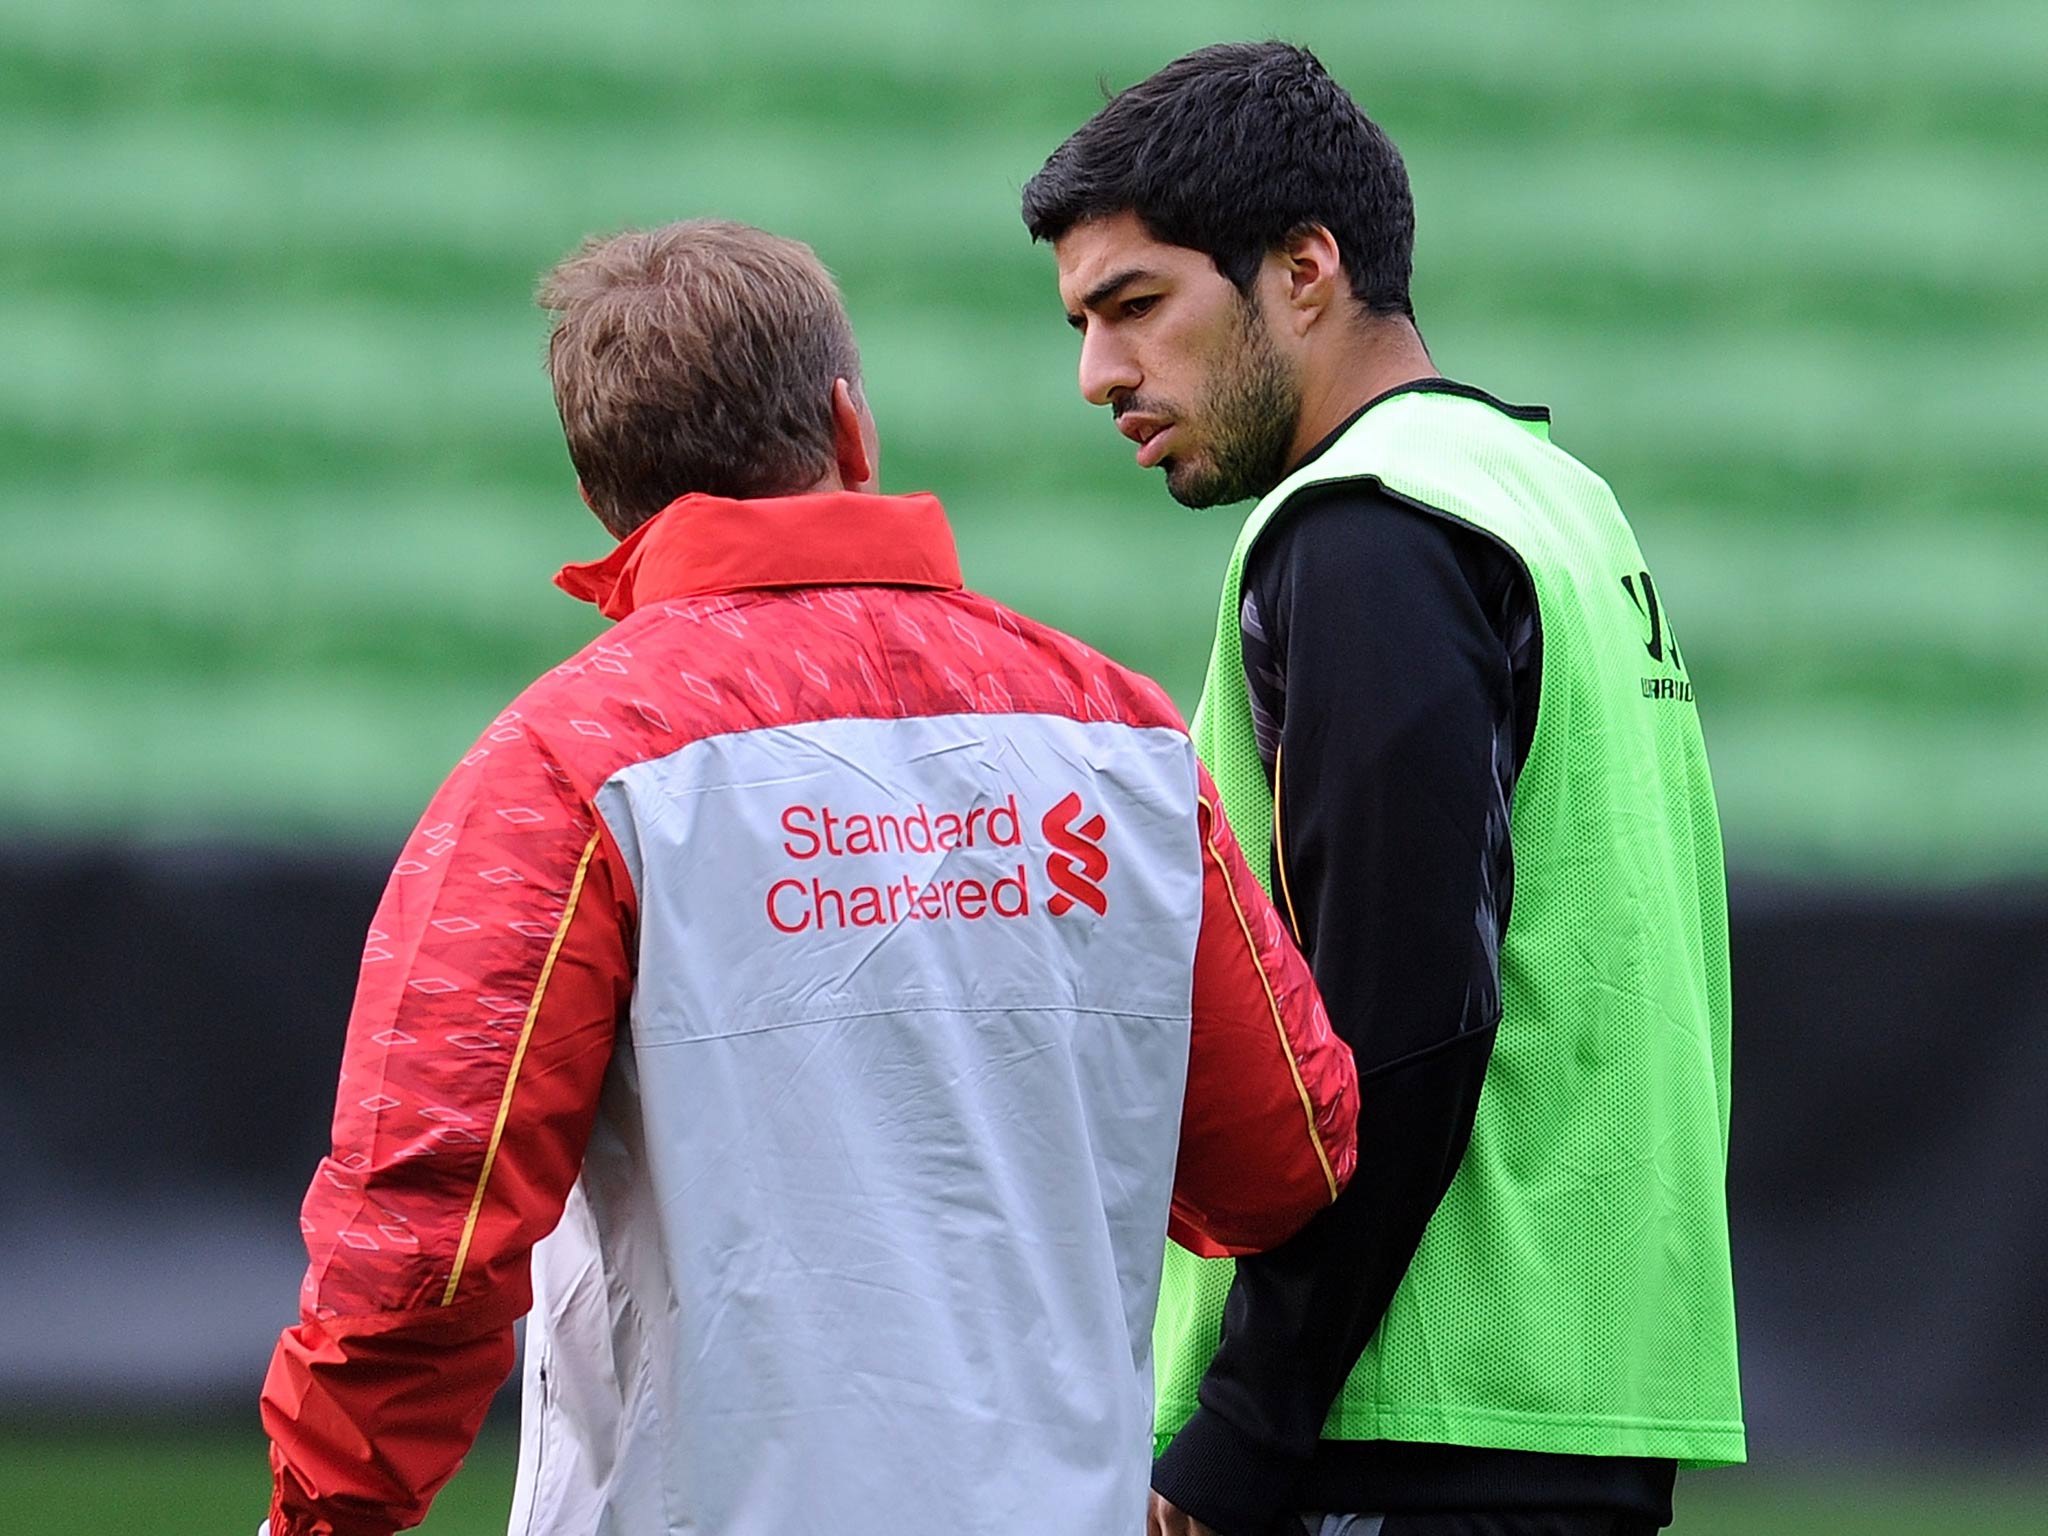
1231,150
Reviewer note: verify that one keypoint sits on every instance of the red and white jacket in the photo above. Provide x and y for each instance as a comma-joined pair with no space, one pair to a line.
816,1000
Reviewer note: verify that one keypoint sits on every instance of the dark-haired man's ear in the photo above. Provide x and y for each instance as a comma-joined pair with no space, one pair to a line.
856,446
1313,270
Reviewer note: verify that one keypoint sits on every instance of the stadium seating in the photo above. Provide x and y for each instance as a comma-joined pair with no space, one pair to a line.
284,485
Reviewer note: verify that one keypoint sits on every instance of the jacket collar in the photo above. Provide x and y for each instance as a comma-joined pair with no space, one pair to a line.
699,546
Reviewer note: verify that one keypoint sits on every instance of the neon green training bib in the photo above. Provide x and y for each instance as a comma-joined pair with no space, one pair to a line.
1572,1293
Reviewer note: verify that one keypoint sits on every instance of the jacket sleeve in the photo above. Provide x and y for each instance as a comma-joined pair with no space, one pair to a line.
1270,1128
496,967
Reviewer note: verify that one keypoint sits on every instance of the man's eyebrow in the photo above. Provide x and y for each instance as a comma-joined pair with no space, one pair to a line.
1107,289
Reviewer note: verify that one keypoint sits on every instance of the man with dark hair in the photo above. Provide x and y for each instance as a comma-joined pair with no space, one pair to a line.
815,998
1443,685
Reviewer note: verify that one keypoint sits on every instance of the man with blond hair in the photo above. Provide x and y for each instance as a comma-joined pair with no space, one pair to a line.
815,1000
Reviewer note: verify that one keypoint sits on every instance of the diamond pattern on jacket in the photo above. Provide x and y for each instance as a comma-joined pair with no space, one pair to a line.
452,959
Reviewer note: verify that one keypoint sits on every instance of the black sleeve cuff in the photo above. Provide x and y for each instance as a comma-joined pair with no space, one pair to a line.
1230,1482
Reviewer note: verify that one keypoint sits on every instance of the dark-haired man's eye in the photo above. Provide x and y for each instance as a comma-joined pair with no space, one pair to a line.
1133,308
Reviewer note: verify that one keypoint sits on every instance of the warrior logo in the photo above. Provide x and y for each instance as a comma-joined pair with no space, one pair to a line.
1660,641
1080,862
1660,645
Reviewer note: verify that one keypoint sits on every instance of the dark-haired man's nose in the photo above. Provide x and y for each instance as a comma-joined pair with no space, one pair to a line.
1107,367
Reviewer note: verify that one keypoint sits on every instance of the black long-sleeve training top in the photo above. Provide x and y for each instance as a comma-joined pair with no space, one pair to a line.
1393,664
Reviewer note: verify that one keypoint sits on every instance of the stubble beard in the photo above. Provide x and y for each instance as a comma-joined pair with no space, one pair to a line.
1252,418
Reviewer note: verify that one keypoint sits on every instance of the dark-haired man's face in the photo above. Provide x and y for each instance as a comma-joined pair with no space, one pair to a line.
1187,364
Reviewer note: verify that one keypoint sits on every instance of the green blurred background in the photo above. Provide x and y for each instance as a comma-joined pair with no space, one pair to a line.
283,486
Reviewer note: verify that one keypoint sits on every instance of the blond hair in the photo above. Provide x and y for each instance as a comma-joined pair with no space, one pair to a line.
695,357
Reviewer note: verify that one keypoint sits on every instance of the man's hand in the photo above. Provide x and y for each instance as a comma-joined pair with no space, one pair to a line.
1165,1520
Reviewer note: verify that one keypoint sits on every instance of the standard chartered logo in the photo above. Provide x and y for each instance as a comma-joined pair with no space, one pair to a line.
850,865
1080,861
